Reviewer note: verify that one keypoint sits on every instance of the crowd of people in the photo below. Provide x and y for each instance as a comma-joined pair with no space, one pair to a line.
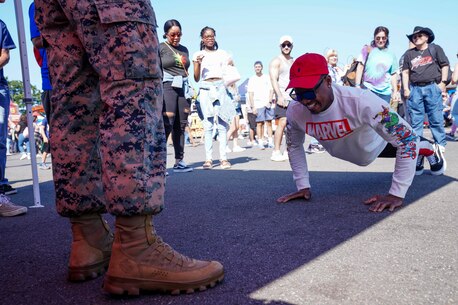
113,101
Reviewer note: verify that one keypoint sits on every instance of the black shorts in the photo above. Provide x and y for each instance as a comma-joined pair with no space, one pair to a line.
45,148
252,121
280,112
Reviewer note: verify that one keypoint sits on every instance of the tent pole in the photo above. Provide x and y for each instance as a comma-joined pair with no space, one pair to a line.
27,99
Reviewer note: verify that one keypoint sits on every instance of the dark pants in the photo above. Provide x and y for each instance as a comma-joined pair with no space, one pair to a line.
176,110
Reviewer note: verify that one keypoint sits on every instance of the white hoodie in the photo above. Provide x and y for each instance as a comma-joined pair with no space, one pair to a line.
356,128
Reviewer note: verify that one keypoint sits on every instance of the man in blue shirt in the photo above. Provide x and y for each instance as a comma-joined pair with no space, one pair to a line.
42,60
6,44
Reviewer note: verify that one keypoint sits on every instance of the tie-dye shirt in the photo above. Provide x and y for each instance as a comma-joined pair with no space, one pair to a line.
380,65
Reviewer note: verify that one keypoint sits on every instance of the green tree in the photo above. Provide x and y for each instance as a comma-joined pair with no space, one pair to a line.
17,93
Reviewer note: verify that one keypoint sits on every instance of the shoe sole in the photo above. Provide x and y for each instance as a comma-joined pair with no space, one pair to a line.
278,160
9,192
183,170
17,212
133,287
87,273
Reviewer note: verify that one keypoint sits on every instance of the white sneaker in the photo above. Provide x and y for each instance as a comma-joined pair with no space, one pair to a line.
277,156
285,155
7,208
228,150
238,149
28,156
23,156
261,145
182,167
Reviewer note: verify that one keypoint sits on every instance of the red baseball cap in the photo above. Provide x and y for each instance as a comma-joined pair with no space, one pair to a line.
307,70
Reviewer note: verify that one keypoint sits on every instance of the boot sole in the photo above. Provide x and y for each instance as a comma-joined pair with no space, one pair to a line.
86,273
122,286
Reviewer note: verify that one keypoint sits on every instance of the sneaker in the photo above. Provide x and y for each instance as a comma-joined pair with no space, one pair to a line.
437,161
7,208
208,164
270,143
238,149
28,156
228,150
249,143
261,145
451,137
181,167
419,168
315,149
225,164
44,166
7,189
23,156
277,156
285,155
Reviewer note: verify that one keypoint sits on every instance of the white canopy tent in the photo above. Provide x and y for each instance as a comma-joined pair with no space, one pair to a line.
27,99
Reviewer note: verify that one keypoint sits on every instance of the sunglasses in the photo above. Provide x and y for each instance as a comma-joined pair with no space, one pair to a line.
308,94
380,38
284,45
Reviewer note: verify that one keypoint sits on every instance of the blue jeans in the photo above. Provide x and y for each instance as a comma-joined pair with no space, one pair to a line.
4,113
427,100
222,137
21,140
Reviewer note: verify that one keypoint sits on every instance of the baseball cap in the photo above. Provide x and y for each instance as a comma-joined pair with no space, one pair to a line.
307,70
286,38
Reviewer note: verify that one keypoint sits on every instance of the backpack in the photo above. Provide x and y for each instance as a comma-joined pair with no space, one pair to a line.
350,75
433,51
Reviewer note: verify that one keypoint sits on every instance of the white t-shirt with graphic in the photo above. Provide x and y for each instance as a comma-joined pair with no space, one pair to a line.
356,128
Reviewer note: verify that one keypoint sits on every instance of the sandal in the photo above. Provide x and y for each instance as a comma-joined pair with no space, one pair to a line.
225,164
208,164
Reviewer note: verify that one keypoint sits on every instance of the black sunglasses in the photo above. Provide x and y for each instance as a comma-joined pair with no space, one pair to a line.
306,94
284,45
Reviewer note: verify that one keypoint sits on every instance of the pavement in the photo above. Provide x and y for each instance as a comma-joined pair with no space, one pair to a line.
330,250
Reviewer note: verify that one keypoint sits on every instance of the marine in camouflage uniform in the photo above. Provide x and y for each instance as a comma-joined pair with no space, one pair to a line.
108,143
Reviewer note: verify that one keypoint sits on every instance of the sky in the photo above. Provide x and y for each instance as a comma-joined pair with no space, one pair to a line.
250,30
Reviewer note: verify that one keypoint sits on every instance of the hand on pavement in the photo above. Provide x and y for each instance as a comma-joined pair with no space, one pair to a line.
379,203
304,193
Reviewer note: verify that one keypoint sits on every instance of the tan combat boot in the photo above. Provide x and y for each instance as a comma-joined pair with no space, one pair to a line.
91,247
142,261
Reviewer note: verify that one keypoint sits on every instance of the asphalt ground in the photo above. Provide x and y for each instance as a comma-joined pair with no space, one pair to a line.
330,250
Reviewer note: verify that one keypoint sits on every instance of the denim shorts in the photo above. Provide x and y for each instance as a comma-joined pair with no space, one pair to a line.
265,114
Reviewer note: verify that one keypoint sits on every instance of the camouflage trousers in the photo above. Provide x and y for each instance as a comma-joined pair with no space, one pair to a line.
107,134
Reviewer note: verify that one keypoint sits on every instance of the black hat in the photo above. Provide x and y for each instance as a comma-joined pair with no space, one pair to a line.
420,29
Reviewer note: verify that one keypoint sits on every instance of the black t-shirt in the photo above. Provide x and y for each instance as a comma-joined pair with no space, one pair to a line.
171,63
422,66
22,126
